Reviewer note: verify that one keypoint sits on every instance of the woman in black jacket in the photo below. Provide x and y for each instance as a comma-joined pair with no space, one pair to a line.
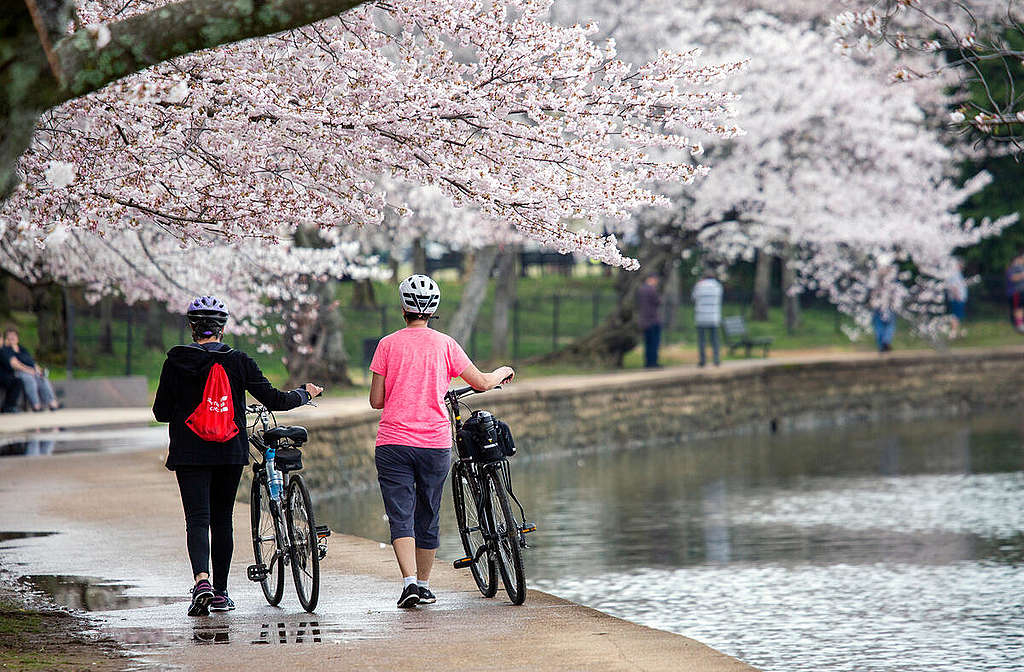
208,472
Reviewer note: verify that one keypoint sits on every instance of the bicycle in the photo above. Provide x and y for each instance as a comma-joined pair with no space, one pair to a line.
492,536
284,530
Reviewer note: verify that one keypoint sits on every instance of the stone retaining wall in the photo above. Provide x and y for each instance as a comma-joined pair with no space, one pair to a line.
622,410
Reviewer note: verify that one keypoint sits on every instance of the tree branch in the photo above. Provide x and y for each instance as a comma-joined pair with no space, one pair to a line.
178,29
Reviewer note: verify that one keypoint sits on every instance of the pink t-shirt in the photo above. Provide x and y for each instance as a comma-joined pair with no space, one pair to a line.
417,364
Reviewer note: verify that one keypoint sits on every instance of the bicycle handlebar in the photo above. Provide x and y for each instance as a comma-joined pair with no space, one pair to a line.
469,389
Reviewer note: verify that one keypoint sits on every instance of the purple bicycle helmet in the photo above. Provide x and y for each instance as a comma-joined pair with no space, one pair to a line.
207,314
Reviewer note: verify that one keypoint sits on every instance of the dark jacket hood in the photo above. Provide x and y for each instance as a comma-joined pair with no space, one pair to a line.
194,358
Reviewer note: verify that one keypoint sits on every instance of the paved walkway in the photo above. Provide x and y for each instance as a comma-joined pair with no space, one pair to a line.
119,519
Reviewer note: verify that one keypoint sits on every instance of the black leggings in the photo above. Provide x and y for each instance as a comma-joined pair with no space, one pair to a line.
208,497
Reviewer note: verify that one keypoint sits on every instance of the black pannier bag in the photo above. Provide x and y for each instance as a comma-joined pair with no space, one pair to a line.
483,437
288,459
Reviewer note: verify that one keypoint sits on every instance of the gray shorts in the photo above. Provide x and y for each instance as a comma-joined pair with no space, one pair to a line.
411,483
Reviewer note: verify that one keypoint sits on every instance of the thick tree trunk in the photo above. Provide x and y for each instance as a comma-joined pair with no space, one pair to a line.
153,329
790,301
619,333
505,286
419,256
48,306
106,337
762,287
363,297
473,294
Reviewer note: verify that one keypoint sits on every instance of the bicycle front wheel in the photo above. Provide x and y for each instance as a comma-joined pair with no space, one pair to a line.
506,531
265,544
467,497
304,551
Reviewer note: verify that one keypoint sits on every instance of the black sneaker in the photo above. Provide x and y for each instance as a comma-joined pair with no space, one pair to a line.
221,601
410,596
426,597
202,595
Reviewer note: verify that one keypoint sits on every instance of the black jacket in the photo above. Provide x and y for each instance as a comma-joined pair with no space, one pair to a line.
181,389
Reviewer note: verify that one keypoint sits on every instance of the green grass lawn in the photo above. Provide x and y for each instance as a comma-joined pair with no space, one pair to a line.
582,301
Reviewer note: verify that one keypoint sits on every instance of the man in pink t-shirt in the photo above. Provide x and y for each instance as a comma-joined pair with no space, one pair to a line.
412,369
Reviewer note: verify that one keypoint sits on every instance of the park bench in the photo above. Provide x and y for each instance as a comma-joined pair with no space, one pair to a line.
737,336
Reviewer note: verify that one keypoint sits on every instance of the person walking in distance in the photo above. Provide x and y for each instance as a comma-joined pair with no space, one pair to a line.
201,396
956,290
648,306
885,301
412,369
707,308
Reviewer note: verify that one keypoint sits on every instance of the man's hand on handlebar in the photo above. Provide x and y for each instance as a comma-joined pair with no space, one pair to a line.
313,390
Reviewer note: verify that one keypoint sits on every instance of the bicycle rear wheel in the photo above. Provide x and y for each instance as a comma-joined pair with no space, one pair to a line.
506,530
466,496
304,550
265,544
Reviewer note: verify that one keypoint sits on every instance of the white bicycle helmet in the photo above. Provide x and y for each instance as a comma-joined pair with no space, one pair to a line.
420,295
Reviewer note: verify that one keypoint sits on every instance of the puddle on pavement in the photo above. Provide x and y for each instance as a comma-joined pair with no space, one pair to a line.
91,594
281,632
11,536
83,440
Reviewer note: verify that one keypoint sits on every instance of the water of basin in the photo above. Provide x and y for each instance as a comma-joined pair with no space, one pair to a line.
893,547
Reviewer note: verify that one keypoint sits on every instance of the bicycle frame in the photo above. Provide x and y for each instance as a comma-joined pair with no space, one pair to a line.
477,472
277,505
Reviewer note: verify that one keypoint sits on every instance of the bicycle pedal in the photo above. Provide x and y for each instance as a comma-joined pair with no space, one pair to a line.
257,572
463,563
322,531
526,528
321,550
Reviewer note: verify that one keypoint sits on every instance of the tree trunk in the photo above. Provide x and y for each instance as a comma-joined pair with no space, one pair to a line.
790,301
419,256
671,297
314,349
619,333
505,285
762,287
5,297
153,329
363,297
473,294
48,306
106,337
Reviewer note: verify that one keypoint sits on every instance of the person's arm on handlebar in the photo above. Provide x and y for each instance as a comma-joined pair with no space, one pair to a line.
487,381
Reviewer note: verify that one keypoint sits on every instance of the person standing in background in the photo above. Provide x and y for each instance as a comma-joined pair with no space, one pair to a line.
956,290
884,300
648,306
707,307
1014,289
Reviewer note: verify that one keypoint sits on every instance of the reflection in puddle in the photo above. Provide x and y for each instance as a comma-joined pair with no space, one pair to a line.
10,536
281,633
92,594
83,440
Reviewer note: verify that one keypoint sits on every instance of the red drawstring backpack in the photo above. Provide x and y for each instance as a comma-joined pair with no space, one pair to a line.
214,417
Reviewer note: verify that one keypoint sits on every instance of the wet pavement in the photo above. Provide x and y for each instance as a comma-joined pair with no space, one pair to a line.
120,551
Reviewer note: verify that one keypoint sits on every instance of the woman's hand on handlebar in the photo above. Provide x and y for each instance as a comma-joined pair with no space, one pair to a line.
314,390
507,373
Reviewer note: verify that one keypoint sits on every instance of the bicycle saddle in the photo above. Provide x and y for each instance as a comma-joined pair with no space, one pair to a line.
296,434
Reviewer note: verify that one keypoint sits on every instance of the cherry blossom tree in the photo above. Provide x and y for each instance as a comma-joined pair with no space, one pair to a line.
977,45
528,122
836,171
